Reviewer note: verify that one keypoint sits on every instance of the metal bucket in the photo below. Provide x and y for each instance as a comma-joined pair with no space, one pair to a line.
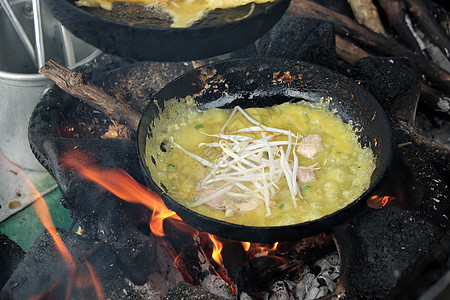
21,87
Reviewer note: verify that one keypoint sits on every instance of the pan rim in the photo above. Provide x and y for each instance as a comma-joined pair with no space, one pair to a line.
296,226
180,30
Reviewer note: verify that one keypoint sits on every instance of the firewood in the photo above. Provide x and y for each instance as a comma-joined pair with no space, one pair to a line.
348,51
396,15
367,14
237,264
76,84
367,38
429,24
435,100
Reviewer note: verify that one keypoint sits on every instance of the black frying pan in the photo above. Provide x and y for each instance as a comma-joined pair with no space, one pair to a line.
132,38
249,83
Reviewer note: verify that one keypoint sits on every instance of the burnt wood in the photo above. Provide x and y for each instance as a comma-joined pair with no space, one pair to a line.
76,84
366,13
366,38
349,51
433,30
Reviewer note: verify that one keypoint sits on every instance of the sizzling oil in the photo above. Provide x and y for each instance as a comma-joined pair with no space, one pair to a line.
344,174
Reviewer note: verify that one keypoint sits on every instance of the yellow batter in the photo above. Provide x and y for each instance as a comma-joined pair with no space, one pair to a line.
342,168
183,12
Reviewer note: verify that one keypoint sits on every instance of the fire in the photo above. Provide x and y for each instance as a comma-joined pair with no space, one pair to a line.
43,213
218,245
378,202
95,281
44,216
258,249
121,184
176,261
246,245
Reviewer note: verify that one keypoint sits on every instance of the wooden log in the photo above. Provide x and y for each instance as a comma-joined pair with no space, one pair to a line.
367,14
348,51
237,263
429,24
367,38
403,108
441,15
435,100
76,84
396,15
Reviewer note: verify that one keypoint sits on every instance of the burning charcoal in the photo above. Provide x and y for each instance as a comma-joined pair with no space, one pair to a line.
165,276
296,38
217,286
237,263
333,260
266,269
211,280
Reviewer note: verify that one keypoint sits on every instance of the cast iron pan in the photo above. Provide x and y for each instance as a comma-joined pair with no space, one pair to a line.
133,37
256,83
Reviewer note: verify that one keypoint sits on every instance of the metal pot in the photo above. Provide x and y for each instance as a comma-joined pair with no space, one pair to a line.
21,87
152,43
249,83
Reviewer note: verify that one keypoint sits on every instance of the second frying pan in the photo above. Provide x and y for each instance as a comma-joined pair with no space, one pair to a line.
129,39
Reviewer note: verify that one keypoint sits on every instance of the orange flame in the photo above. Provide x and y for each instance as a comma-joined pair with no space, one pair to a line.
258,249
95,281
246,245
121,184
274,247
378,202
44,216
177,260
218,245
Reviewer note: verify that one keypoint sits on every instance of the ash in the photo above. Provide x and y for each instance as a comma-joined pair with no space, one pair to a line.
320,280
314,281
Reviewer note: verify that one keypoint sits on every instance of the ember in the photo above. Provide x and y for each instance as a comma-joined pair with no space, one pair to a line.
378,202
